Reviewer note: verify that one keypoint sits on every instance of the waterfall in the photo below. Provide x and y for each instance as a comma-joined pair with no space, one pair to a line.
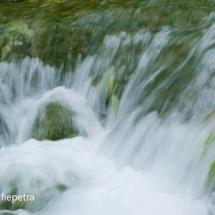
141,107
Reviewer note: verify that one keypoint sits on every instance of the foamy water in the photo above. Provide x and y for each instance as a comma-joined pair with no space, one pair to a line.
132,162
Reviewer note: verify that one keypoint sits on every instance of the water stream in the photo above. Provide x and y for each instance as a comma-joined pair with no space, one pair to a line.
142,101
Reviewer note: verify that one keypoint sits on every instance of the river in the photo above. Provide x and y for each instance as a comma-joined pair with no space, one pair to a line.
107,107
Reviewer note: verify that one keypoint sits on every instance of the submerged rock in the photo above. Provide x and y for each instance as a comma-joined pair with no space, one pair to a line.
13,34
54,122
55,36
35,200
4,130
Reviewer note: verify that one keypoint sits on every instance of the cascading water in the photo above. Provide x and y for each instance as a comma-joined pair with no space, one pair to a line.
142,105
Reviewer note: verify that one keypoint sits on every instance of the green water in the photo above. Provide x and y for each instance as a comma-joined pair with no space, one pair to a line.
79,27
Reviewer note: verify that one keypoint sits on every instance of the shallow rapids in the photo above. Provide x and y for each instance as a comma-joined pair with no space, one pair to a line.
142,107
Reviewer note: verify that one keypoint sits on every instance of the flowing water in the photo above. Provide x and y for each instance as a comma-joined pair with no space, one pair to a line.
142,94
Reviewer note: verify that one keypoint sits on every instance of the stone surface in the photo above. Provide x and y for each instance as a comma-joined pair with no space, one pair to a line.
53,122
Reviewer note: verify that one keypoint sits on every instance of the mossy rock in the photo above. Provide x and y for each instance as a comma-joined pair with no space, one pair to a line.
39,198
8,205
76,28
53,122
13,35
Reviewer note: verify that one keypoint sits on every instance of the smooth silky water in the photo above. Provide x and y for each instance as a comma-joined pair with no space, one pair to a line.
139,149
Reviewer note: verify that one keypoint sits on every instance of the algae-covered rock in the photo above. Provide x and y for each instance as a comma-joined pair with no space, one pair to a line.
32,197
53,122
59,33
14,34
107,89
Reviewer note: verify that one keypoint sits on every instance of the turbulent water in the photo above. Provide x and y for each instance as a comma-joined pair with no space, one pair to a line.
140,152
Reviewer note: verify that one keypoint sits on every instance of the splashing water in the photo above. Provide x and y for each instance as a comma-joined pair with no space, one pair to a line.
142,157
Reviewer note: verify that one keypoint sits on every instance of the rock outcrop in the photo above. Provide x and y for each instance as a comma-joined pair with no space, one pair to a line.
53,122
